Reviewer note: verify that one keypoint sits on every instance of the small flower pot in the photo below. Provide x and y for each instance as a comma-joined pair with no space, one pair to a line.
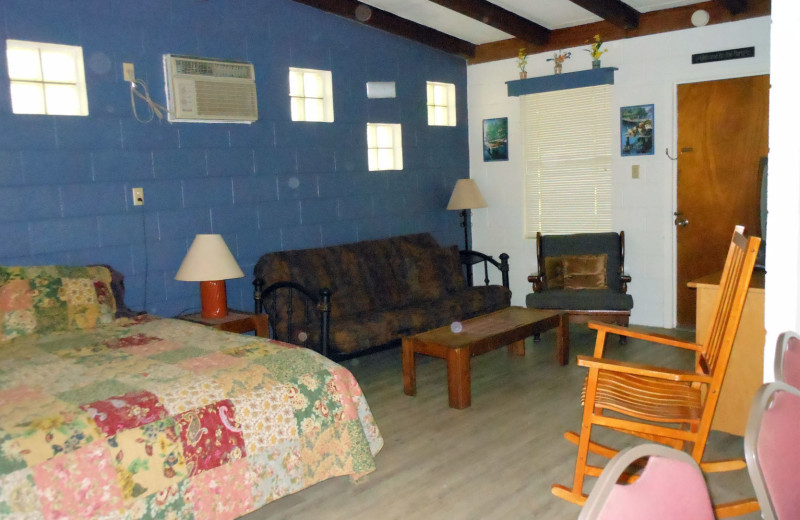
557,68
523,74
595,64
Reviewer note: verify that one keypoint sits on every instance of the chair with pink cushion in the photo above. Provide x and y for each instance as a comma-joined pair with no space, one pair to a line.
771,443
787,359
670,486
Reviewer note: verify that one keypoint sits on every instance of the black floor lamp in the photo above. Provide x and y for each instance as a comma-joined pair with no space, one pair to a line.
466,196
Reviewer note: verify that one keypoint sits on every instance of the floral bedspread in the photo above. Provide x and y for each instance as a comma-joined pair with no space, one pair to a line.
158,418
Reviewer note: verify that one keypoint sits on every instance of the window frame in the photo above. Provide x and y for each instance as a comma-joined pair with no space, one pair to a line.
76,54
326,79
373,162
449,104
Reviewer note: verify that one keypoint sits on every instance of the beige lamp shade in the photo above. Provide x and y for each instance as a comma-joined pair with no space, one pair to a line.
466,195
208,259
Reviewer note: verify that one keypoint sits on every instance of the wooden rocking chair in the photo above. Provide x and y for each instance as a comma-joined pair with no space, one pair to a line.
669,406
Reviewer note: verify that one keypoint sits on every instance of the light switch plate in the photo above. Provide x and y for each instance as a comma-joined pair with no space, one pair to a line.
138,196
127,72
635,171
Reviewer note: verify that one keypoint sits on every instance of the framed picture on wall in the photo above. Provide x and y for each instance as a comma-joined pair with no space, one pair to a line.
495,139
636,130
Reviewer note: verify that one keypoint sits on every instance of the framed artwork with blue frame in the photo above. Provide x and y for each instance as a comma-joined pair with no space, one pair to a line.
495,139
636,130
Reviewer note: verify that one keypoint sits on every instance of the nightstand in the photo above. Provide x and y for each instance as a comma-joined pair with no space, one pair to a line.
235,321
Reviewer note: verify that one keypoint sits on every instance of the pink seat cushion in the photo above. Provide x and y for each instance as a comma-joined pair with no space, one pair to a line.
668,489
791,363
778,453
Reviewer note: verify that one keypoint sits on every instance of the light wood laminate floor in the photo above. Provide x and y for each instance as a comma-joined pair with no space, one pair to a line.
494,460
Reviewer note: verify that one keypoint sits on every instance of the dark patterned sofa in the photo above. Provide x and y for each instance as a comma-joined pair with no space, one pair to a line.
348,299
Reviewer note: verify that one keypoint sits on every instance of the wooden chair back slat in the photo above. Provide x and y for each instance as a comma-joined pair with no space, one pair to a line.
729,303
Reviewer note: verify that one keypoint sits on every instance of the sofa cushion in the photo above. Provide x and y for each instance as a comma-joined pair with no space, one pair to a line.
353,334
384,284
473,301
357,333
429,273
337,268
605,299
585,271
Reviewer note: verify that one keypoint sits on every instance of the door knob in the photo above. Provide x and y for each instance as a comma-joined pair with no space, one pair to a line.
680,220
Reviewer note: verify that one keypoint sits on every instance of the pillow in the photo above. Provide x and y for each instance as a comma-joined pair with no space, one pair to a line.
585,272
554,272
42,299
118,290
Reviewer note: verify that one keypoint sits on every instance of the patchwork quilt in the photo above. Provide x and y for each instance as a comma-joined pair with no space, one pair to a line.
151,418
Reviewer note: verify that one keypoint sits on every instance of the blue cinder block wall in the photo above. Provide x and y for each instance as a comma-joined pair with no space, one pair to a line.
65,182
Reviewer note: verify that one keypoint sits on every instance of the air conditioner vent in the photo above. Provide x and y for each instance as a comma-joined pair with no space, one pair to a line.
214,68
211,91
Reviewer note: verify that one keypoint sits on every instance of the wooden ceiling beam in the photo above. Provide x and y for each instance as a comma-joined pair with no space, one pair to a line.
499,18
616,12
394,24
654,22
734,6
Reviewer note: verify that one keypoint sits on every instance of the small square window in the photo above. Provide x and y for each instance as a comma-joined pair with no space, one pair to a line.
441,104
46,78
384,146
311,94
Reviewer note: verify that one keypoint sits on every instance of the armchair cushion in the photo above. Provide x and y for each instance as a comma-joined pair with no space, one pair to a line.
587,244
554,272
585,272
580,300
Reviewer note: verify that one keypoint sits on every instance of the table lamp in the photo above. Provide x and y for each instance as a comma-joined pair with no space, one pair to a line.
466,196
210,262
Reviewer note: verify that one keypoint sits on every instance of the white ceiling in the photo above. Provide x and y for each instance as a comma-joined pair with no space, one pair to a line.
552,14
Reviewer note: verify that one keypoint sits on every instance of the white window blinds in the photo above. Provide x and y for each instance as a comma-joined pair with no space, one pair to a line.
567,149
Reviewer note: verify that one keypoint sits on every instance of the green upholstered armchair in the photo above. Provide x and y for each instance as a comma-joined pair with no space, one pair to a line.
583,274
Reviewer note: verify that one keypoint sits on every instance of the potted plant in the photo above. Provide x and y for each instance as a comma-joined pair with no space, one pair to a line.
522,62
595,51
558,60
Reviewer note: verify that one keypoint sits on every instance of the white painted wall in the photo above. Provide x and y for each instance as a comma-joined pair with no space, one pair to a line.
782,306
650,68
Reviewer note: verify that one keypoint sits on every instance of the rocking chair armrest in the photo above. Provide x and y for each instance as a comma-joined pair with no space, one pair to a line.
537,279
670,374
633,332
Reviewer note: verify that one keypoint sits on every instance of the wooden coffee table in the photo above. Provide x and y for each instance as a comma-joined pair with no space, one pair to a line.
478,336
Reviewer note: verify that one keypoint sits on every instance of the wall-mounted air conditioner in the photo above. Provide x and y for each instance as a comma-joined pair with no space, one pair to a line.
201,90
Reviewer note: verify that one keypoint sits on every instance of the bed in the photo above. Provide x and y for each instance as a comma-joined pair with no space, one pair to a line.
107,417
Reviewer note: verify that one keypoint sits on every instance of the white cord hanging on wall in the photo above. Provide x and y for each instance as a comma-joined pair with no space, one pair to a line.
139,89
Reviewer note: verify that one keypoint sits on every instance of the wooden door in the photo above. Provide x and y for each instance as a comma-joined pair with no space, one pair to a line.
722,137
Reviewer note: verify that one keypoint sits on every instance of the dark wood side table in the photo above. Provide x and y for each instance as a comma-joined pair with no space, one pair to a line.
235,321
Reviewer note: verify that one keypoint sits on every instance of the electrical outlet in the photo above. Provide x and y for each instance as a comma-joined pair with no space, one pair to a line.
635,171
127,72
138,196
